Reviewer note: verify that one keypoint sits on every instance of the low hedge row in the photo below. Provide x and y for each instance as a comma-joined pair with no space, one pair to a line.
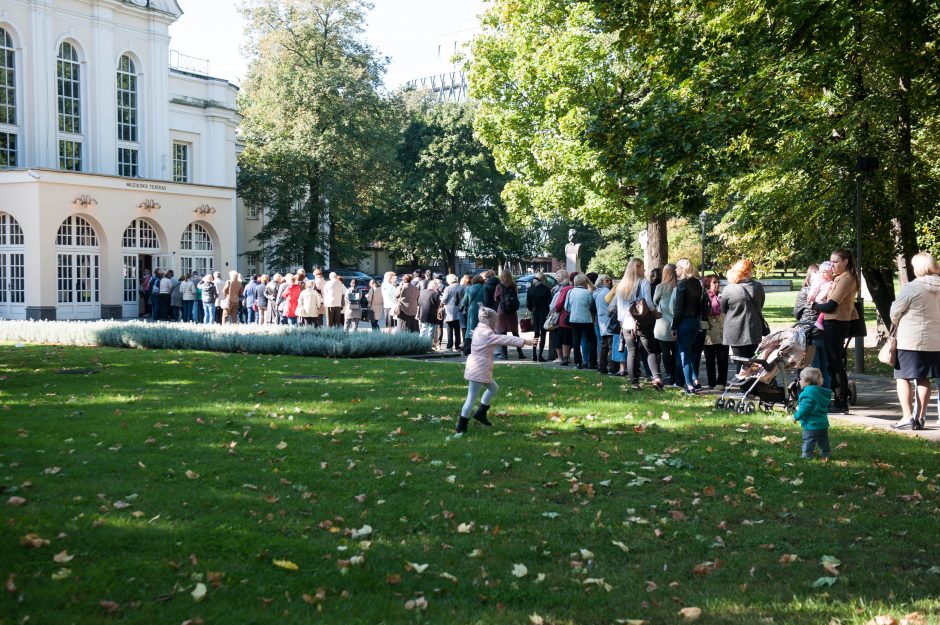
268,339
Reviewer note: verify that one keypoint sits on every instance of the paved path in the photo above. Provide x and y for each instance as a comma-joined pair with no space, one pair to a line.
877,406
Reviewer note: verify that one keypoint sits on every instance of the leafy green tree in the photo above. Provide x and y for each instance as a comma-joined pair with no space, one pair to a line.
447,197
319,137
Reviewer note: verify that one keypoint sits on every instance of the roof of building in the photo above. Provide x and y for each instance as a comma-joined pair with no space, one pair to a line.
170,7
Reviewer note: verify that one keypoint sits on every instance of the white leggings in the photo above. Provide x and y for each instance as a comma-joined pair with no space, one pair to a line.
474,391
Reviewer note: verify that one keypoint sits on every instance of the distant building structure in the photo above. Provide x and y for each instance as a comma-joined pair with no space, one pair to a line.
113,159
446,79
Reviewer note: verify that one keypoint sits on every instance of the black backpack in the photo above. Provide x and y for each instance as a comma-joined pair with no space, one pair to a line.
510,299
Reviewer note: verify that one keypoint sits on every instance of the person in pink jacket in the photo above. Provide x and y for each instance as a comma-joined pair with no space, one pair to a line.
479,369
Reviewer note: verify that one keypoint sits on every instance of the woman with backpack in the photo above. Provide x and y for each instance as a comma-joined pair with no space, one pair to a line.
637,320
507,308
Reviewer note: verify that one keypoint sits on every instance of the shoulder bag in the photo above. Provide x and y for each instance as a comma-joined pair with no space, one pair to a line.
764,327
640,311
889,351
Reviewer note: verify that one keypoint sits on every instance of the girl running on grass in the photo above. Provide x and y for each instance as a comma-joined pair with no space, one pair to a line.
479,369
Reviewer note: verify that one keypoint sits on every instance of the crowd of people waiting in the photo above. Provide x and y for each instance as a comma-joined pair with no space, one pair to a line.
662,322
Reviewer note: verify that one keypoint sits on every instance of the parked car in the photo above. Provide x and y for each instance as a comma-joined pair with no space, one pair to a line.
524,282
362,279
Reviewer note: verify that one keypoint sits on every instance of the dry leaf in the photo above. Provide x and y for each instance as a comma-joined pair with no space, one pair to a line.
883,619
690,614
281,445
192,475
33,540
519,570
109,606
11,582
15,501
535,619
914,618
199,592
417,568
286,564
62,557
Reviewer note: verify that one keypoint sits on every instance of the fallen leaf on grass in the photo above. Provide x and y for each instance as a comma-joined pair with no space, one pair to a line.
632,621
519,570
109,606
597,581
690,614
535,619
774,440
286,564
882,619
914,618
788,558
419,603
61,574
825,581
281,445
362,532
15,501
706,567
11,583
465,528
33,540
199,592
62,557
192,475
417,568
622,546
831,565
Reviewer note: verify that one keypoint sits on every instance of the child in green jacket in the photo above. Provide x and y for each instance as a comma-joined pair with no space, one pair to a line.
812,412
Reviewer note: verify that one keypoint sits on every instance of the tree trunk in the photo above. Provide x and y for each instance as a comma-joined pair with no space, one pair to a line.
881,286
311,257
904,201
657,242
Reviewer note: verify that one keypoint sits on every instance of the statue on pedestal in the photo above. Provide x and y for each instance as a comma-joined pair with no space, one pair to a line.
572,254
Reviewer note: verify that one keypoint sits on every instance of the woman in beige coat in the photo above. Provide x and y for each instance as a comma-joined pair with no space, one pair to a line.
310,304
916,315
232,294
376,303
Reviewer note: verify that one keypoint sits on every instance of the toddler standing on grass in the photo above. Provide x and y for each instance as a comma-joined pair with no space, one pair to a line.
479,369
812,412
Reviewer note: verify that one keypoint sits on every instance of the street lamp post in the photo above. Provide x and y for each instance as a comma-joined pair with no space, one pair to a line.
703,216
865,167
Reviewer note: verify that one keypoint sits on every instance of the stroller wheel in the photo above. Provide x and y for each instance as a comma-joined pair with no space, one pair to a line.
739,408
750,408
720,403
852,394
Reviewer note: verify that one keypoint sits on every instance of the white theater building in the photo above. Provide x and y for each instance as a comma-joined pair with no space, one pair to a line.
111,160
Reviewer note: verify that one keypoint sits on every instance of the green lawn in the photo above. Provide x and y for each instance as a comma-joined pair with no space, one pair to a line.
166,473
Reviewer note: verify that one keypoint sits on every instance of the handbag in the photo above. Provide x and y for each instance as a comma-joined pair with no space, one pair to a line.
857,327
441,313
889,351
613,326
640,311
525,325
764,327
551,324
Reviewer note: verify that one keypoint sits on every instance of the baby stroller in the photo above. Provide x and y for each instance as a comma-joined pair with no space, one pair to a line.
762,381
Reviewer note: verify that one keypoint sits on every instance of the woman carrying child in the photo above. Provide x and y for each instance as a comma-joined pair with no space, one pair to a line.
479,368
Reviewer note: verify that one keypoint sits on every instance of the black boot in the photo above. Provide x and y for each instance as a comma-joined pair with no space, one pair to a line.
462,425
535,355
520,354
480,415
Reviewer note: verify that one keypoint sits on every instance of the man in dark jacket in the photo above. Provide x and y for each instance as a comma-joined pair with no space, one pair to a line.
429,300
489,289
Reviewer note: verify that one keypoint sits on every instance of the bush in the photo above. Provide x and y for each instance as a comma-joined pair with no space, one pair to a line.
293,341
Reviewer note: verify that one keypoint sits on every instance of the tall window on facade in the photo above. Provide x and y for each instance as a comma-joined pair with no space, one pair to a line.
8,128
78,267
180,162
12,267
127,124
69,97
197,250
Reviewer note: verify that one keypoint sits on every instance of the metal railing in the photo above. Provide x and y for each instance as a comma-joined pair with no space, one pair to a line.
186,63
449,86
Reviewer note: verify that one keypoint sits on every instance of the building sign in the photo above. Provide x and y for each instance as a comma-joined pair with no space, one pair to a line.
149,186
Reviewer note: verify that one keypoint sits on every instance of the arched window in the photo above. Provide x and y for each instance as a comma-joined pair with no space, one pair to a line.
69,98
128,149
140,235
12,268
9,132
197,250
78,270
